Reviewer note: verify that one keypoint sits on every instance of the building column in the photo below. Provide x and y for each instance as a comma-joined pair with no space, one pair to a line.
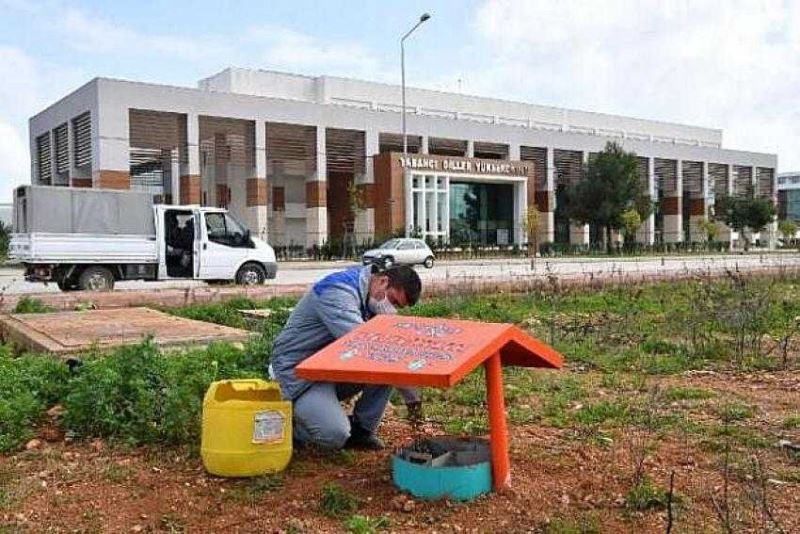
647,232
190,186
257,188
513,152
673,212
547,200
317,196
111,148
365,219
423,149
470,149
521,207
579,233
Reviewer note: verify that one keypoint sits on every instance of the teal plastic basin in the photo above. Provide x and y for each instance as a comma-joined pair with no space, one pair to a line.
445,467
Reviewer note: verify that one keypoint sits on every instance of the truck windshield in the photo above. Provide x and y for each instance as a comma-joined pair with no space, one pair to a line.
222,228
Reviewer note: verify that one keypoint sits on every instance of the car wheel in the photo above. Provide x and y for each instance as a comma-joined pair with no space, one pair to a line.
250,274
96,279
428,263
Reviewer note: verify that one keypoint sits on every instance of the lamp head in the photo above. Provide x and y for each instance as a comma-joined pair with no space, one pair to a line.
424,17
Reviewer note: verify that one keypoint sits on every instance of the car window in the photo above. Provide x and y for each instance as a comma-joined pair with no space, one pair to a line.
408,245
419,245
392,243
225,230
215,225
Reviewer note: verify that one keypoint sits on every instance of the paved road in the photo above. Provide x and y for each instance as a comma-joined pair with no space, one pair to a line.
12,282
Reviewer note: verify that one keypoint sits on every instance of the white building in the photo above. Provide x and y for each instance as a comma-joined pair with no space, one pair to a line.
286,153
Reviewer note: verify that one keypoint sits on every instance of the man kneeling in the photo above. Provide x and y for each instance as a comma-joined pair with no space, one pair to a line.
332,308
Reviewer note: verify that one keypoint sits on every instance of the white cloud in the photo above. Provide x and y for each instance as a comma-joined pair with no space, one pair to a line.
89,33
14,160
281,48
729,64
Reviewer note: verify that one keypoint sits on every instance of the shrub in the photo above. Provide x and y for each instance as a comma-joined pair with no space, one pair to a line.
32,305
28,386
337,502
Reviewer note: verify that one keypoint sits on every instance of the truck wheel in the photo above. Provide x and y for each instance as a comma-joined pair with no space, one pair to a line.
250,274
96,279
66,285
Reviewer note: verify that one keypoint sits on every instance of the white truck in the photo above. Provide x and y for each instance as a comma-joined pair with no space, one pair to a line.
89,238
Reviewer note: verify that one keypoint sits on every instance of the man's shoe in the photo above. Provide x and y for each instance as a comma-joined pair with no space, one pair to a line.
363,439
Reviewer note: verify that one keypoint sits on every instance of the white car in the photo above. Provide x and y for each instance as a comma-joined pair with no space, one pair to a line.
400,251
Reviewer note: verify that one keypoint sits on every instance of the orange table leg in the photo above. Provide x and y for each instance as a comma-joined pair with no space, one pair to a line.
498,429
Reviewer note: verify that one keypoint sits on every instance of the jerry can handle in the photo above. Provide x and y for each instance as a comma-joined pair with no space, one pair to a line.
246,385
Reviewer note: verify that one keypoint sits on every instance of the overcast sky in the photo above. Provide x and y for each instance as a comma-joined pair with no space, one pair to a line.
727,64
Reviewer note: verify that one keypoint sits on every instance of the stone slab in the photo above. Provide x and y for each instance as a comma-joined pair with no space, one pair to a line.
64,333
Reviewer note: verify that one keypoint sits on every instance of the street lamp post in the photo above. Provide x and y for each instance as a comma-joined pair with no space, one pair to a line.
423,18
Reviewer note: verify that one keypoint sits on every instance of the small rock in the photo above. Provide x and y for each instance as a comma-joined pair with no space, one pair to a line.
137,528
409,506
33,444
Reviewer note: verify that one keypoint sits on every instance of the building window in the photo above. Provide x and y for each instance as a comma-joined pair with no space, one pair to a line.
44,168
82,140
61,138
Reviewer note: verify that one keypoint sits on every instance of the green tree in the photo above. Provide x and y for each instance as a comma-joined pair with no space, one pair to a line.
530,224
788,229
610,187
746,215
631,222
710,229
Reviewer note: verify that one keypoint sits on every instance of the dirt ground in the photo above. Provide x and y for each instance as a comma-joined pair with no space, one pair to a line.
561,481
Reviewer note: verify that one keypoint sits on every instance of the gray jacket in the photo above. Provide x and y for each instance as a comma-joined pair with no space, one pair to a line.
332,308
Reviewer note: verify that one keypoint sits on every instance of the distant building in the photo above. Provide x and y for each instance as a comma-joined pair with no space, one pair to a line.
286,153
789,196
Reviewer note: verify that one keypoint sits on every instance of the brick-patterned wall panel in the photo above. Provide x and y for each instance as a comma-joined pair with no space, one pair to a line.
81,182
190,189
114,180
256,192
316,194
368,194
544,201
278,198
671,206
223,196
697,206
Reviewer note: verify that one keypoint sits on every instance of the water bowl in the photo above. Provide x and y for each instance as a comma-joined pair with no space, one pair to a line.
444,467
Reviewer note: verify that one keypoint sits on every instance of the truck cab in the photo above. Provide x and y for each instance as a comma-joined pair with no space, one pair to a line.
210,244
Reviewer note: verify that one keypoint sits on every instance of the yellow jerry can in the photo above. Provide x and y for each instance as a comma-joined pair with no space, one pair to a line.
247,428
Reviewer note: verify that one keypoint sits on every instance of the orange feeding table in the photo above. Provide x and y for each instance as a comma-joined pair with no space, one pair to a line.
418,351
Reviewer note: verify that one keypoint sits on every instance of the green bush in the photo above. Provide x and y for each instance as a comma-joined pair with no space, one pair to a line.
139,395
32,305
28,386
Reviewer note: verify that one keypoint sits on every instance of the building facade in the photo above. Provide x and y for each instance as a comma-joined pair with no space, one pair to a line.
789,196
302,160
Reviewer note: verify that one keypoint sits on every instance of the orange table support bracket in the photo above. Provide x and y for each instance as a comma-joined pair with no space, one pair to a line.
418,351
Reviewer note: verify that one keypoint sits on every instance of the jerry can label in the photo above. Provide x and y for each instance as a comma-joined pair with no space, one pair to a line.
268,427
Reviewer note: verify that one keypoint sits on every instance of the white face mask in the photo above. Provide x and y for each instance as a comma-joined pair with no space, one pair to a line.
381,307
